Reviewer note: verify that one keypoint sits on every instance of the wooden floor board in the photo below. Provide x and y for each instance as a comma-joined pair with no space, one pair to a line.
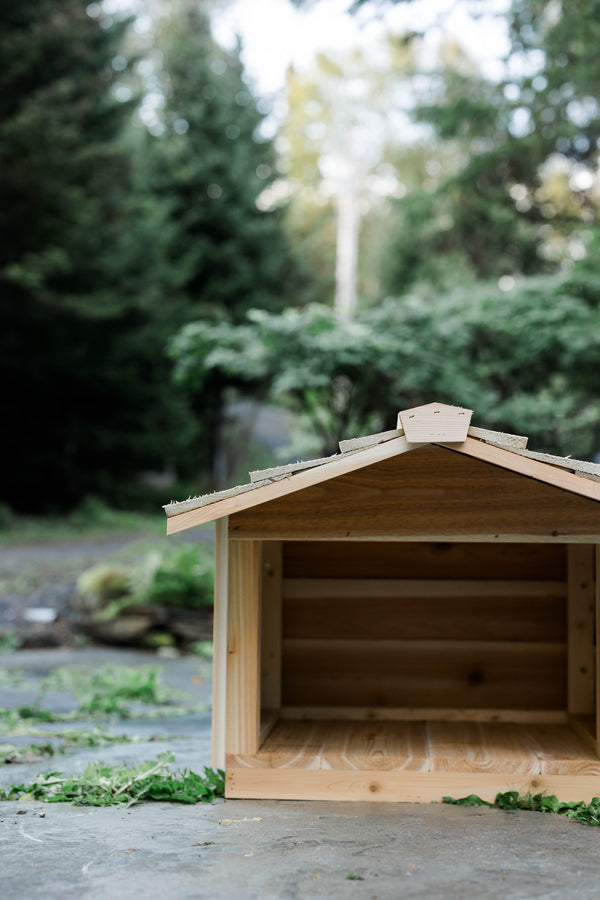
480,747
453,747
561,751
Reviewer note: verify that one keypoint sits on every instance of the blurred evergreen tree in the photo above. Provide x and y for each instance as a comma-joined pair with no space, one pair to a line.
111,239
209,167
522,363
75,398
526,185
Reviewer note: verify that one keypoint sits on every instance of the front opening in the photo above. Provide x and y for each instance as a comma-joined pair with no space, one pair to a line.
428,657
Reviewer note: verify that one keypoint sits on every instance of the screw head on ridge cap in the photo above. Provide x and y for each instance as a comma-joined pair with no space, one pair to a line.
435,422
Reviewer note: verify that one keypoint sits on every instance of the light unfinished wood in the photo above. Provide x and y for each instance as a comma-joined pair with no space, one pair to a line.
253,496
369,440
501,438
270,684
250,496
395,787
428,713
597,643
219,689
435,422
290,468
413,760
399,746
578,466
480,747
410,673
581,673
562,751
526,465
268,720
410,559
243,648
400,496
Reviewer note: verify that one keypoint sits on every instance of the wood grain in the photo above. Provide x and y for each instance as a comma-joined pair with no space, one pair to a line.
561,751
435,422
480,747
477,674
597,645
243,648
219,691
428,713
380,609
394,787
410,559
429,490
413,761
581,674
270,676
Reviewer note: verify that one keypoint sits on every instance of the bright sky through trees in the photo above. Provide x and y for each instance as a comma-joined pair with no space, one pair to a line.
275,34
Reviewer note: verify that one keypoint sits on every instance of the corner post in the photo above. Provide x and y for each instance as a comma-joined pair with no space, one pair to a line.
243,648
581,615
219,695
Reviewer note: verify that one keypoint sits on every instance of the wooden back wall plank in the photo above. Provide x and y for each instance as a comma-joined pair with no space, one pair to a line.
467,674
424,559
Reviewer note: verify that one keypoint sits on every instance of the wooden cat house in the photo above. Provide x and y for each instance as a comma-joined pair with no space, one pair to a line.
414,617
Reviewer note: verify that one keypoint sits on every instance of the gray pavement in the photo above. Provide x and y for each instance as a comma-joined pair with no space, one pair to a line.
266,849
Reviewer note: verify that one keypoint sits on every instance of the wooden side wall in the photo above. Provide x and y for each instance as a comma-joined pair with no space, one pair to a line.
424,625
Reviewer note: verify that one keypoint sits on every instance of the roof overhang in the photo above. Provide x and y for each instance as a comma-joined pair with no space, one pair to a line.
447,426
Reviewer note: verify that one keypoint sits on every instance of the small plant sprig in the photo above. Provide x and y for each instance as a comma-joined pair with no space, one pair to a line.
102,785
53,743
105,691
586,813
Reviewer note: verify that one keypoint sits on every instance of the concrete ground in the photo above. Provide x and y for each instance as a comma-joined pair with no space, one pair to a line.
264,849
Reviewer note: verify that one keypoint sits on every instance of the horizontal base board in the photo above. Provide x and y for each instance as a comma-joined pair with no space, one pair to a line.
414,761
396,787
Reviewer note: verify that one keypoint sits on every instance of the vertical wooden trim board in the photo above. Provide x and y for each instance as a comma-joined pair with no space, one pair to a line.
271,626
581,675
220,643
597,644
243,648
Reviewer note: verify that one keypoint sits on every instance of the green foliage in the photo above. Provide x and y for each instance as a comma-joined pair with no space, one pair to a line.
90,519
221,250
101,584
586,813
209,167
121,691
9,642
110,690
81,294
184,578
102,785
65,231
61,742
203,649
523,359
179,576
421,246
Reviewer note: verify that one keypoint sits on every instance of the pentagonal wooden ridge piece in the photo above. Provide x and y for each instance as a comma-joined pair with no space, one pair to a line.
435,422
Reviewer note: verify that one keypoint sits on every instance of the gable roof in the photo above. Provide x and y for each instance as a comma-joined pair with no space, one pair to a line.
433,423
